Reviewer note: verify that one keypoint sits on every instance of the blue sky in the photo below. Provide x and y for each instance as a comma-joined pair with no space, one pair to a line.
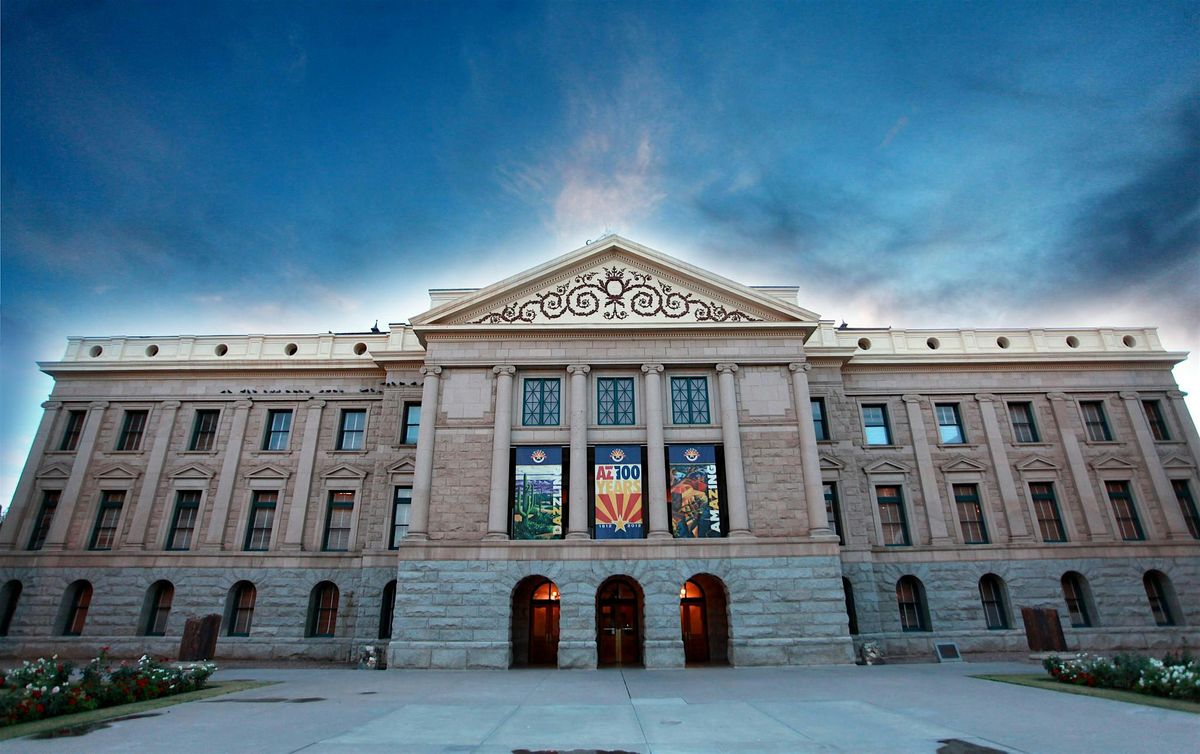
263,166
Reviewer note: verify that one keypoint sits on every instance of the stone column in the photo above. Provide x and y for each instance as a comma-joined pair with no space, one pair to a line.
577,504
56,538
935,511
1017,531
154,467
418,525
293,536
1188,424
214,540
731,436
656,468
810,462
1097,529
501,445
21,501
1176,524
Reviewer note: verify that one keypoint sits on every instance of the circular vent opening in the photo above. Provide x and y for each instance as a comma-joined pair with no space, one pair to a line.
96,351
864,344
221,349
933,344
1072,341
290,349
360,348
151,350
1129,341
1002,342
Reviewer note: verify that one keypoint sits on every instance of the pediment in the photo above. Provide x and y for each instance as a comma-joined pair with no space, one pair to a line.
117,471
267,471
614,281
54,471
887,467
403,466
193,471
829,463
344,471
1037,463
1112,463
963,463
1177,462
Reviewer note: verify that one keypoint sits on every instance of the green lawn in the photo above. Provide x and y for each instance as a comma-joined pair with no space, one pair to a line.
95,716
1044,682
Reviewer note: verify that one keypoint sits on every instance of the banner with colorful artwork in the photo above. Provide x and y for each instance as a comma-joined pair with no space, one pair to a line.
618,478
695,503
538,499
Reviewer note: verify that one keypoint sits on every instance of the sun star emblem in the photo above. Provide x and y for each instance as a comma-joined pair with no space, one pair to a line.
617,455
691,454
620,524
537,456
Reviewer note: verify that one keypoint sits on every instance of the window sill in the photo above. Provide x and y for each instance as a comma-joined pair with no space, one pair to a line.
1102,442
275,452
200,452
1038,444
350,452
60,453
959,445
865,446
125,452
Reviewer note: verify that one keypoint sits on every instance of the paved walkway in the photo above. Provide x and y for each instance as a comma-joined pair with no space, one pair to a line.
891,708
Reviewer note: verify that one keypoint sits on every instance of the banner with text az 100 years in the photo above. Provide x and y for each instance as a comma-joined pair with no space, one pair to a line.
537,502
695,503
618,492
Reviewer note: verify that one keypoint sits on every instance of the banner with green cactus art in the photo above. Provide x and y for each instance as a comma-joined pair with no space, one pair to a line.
537,499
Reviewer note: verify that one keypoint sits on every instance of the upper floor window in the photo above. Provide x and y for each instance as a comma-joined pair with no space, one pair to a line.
950,428
262,519
411,427
970,514
401,510
353,430
183,524
132,430
204,430
45,516
338,520
540,403
818,416
689,400
1095,421
1046,506
1183,494
105,531
1158,425
1023,424
614,399
1122,502
891,515
833,510
875,425
279,427
70,438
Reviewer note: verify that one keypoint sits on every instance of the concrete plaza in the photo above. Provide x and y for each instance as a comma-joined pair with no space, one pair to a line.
890,708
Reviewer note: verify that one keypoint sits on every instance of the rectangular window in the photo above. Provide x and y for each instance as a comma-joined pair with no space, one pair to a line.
45,516
1158,425
833,510
818,415
412,424
262,518
970,514
614,396
875,425
132,430
70,439
1095,421
950,428
204,430
1122,502
401,510
540,403
337,521
183,525
353,431
689,400
279,428
1024,427
1183,494
1046,506
109,516
891,515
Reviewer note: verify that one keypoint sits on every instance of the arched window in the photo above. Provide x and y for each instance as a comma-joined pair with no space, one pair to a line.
1077,594
158,608
386,608
9,596
851,613
322,609
910,598
76,602
995,606
1161,597
240,610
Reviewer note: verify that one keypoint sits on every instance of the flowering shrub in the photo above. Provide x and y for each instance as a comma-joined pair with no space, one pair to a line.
43,688
1176,676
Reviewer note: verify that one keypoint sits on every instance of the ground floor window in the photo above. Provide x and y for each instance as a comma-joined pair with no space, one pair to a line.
322,612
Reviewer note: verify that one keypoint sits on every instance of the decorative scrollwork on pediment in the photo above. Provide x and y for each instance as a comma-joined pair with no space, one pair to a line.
616,293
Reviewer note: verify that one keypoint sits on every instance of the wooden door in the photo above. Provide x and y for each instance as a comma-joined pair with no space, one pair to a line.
627,647
543,633
618,638
695,630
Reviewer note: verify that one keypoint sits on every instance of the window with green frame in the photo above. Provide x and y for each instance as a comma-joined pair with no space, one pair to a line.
689,400
540,402
614,401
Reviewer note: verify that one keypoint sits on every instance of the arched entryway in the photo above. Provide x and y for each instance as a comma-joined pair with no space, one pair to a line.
619,622
704,620
535,613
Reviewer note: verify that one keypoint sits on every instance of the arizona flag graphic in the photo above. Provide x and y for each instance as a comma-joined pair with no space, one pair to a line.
618,492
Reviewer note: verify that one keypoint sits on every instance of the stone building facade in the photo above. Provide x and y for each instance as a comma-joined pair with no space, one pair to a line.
787,489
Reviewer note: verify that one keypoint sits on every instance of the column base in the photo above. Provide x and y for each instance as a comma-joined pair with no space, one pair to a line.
415,536
659,535
577,535
941,541
291,547
495,536
741,534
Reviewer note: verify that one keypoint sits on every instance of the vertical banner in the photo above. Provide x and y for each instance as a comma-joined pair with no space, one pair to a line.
695,503
537,502
618,480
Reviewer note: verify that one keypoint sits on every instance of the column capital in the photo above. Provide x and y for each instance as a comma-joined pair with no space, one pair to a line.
431,370
578,369
171,404
507,370
52,405
317,404
727,368
98,404
1129,395
987,397
1176,394
243,405
910,398
1058,396
648,368
800,366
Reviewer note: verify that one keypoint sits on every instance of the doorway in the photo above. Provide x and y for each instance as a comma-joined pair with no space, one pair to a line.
693,609
704,620
535,620
618,622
